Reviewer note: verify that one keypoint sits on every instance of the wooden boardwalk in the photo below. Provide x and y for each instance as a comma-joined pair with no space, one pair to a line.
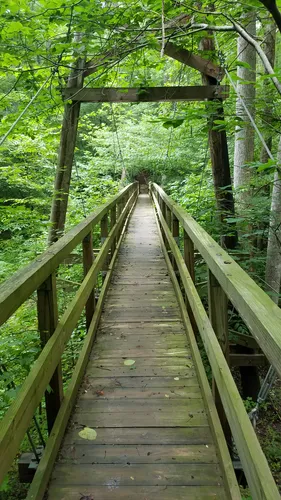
153,437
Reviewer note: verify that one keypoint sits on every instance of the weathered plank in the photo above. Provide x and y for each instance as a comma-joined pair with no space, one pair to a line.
138,492
138,454
147,474
146,94
143,436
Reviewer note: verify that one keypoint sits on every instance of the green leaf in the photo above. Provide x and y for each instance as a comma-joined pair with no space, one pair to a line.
129,362
88,433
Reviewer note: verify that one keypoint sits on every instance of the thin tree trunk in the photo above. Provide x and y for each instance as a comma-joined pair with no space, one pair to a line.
269,50
273,258
65,158
220,160
267,118
244,136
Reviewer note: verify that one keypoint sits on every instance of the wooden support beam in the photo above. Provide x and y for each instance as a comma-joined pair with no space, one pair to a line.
104,235
47,311
176,235
248,360
88,259
112,224
194,61
245,340
218,314
146,94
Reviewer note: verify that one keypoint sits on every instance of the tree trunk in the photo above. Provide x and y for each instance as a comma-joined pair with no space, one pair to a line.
267,118
244,136
65,158
269,49
273,258
220,160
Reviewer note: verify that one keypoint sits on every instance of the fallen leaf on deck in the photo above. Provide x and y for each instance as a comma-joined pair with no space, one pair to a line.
129,362
88,433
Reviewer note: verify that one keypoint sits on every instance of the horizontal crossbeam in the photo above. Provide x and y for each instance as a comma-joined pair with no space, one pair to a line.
146,94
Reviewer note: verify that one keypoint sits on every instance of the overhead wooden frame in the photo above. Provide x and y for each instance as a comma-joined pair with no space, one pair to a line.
146,94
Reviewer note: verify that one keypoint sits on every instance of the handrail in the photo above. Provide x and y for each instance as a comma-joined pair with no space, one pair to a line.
254,463
18,417
24,282
260,313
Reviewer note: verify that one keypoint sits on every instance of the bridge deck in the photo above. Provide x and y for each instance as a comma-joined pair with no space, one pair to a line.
153,436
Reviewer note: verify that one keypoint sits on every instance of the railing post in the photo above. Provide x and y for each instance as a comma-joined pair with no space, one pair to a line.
47,311
188,255
88,259
169,217
112,224
218,314
104,235
176,235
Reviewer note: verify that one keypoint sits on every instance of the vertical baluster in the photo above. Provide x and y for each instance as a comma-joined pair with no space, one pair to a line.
218,314
188,255
176,235
169,217
88,259
112,224
47,311
104,235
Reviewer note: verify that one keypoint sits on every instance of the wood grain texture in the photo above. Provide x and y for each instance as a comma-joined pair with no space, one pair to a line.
145,94
150,418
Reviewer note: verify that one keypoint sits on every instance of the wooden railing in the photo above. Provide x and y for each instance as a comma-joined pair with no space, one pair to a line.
226,282
40,276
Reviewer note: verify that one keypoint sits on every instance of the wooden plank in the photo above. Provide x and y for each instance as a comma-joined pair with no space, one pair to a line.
137,454
88,259
247,360
154,382
260,313
253,460
47,310
138,492
142,371
88,405
245,340
218,314
181,436
194,60
96,391
23,283
145,94
143,419
166,474
138,352
183,361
